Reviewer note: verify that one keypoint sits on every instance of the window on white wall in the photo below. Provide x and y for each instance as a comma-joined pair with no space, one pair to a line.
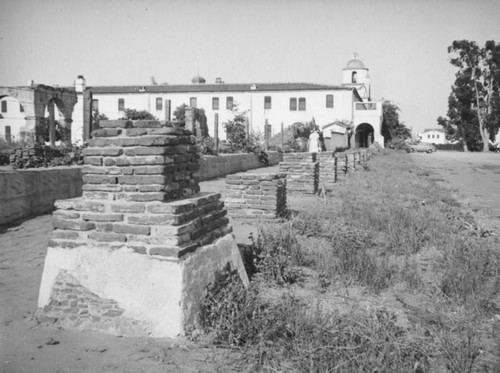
21,109
302,103
95,105
159,103
4,106
121,104
229,103
192,102
215,103
293,104
267,102
329,101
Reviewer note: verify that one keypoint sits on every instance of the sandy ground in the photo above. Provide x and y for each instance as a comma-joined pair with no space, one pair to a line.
475,176
26,346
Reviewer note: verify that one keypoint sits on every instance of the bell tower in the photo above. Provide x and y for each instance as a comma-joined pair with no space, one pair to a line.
355,75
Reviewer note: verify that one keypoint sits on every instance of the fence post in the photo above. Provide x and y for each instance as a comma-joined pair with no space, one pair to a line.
282,137
216,132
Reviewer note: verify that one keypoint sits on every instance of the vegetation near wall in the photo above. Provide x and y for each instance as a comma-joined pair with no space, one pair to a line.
388,274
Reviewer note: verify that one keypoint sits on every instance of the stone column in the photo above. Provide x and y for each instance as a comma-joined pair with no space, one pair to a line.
52,124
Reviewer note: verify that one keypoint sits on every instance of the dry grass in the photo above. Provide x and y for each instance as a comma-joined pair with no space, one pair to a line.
397,234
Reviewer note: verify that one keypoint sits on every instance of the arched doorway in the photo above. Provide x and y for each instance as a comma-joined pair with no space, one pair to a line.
364,135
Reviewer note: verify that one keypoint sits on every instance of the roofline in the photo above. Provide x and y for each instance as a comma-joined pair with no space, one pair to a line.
211,88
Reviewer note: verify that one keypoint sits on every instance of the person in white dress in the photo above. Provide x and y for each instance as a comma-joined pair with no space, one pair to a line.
314,143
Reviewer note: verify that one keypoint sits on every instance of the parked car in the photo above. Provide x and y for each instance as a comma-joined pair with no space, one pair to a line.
421,147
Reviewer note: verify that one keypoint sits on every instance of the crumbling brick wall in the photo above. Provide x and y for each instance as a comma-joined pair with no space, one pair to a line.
256,196
302,172
131,169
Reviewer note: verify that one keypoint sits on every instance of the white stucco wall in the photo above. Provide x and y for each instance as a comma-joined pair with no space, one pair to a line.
251,102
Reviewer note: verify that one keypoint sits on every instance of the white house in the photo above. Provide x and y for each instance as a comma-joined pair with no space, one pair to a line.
272,103
433,136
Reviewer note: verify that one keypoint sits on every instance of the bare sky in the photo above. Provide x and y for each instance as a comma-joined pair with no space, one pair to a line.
403,43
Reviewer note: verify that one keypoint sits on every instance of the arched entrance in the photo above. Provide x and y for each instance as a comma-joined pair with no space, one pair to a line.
364,135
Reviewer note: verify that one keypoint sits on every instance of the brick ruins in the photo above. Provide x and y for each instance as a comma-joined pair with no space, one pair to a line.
131,169
133,255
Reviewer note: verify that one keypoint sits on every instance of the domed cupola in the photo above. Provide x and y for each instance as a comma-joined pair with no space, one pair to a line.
355,64
355,75
198,80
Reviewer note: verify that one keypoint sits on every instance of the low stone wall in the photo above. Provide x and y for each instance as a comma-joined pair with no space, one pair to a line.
26,193
224,164
310,172
256,196
301,171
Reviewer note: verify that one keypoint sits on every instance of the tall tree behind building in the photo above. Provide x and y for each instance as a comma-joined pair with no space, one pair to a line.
474,102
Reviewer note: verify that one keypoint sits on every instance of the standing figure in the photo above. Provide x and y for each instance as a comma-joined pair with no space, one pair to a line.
314,143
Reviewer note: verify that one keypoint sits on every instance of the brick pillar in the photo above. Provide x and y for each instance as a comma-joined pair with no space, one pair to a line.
302,172
141,237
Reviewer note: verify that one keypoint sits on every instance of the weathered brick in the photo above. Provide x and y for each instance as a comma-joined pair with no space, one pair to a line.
102,188
173,230
98,179
131,229
150,188
136,131
74,225
96,161
106,132
66,244
104,227
136,208
150,150
234,181
158,219
164,131
150,160
147,179
122,161
146,123
66,214
102,217
96,195
141,197
254,192
109,162
115,123
94,170
64,234
171,207
79,204
108,237
146,141
109,152
152,170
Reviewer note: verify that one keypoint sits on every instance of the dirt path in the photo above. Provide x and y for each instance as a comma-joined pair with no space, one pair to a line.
476,176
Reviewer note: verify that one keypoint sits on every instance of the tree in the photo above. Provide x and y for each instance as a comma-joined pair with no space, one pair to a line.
474,102
134,114
392,128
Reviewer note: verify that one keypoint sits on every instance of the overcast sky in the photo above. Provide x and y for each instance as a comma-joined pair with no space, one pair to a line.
403,43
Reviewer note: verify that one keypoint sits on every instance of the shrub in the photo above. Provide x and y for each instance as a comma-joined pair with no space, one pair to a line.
288,335
276,253
45,156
